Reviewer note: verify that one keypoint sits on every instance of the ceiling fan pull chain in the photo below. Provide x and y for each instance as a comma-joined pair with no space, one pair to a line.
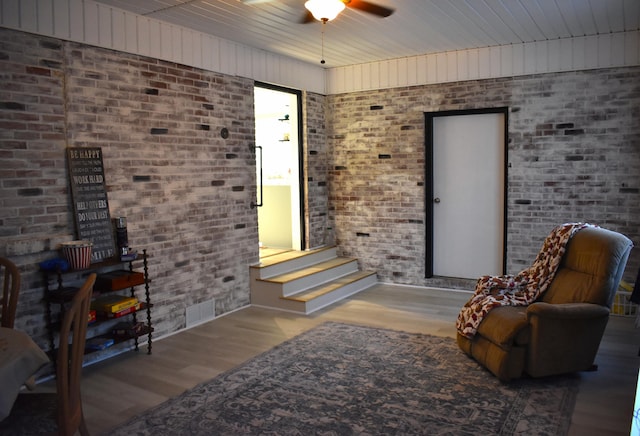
324,22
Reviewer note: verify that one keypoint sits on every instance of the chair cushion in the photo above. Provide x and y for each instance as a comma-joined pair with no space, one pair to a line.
589,269
506,326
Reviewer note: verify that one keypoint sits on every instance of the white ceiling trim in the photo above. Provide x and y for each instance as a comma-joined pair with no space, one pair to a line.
93,23
560,55
416,27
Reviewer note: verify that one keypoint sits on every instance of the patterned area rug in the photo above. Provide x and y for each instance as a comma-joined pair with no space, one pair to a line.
340,379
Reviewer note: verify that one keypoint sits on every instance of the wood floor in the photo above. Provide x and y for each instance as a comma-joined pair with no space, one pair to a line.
117,389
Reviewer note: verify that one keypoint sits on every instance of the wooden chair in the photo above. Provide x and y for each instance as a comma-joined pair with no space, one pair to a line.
64,407
10,292
69,362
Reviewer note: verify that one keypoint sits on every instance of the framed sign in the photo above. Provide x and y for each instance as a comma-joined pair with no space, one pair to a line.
90,203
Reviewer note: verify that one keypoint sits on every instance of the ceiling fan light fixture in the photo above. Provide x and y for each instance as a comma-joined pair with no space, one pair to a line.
324,10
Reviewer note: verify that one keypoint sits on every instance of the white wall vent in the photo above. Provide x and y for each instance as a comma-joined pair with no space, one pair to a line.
200,312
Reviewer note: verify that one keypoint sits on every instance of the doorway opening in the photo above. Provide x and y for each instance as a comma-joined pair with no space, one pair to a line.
466,192
278,127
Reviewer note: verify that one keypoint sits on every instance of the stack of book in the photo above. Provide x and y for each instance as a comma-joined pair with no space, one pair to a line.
98,343
115,306
128,329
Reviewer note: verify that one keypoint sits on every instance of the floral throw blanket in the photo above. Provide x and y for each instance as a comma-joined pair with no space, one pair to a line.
519,290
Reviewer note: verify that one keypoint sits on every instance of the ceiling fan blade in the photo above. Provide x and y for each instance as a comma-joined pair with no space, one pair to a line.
370,8
255,2
307,18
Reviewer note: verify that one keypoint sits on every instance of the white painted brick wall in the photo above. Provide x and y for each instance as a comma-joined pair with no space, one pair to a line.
574,155
185,191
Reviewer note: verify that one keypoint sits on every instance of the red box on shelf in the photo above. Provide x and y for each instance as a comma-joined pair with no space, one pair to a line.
92,317
119,279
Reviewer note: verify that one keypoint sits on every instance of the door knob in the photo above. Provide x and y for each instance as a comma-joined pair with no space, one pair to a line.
436,200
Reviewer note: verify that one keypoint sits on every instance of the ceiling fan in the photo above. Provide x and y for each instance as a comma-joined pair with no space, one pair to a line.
327,10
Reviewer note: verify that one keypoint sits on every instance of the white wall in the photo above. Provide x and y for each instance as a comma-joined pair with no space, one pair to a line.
104,26
99,25
570,54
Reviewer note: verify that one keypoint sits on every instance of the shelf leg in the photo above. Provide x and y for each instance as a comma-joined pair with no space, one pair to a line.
148,299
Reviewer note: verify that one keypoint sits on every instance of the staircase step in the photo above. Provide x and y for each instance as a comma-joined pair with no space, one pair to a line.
299,280
282,263
326,288
330,293
305,281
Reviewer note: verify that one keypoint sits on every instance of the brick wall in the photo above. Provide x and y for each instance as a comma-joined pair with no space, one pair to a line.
34,211
315,152
184,189
574,155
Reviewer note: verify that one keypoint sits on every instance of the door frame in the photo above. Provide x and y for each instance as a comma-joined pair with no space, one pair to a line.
301,177
428,179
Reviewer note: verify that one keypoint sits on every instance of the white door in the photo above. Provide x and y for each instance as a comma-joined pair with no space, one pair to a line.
468,194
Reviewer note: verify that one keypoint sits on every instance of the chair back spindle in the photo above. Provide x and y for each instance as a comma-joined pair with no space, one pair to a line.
10,292
69,361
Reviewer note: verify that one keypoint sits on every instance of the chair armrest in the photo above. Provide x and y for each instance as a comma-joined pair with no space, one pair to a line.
566,311
564,337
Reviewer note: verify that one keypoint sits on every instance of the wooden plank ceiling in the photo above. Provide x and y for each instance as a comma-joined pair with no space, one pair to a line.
416,27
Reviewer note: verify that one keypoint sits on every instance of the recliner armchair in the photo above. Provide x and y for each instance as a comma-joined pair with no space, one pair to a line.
561,331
